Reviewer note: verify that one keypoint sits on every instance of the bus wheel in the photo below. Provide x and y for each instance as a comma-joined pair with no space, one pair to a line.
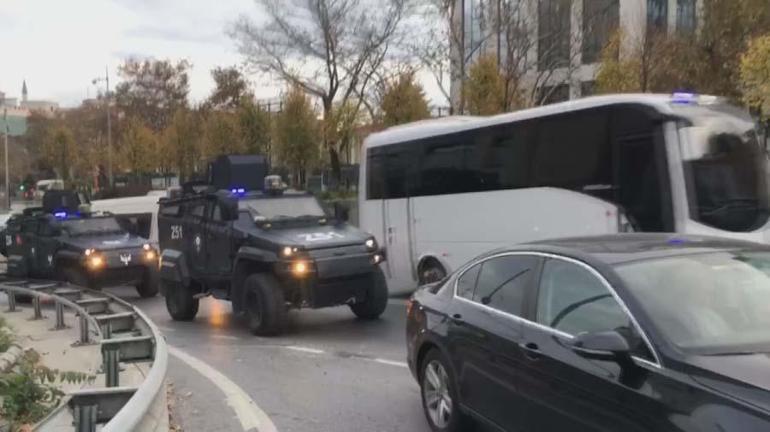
431,271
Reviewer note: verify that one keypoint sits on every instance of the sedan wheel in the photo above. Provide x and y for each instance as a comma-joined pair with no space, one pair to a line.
435,391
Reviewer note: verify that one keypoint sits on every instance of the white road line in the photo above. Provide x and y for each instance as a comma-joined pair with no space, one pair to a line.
391,362
249,414
304,349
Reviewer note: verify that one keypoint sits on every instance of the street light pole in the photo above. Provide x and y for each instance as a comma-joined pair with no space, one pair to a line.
109,123
109,128
7,176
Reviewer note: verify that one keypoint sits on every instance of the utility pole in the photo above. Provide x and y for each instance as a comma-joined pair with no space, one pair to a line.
7,177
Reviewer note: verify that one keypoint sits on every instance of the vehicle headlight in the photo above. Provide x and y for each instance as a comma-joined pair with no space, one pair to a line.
150,254
88,252
371,244
288,251
95,261
146,247
300,268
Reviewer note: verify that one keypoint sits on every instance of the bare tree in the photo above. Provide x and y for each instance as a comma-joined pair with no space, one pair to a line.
328,48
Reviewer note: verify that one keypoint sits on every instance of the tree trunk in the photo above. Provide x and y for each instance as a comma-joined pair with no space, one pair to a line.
334,159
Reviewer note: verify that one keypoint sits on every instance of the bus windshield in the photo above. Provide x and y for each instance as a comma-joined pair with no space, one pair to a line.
725,170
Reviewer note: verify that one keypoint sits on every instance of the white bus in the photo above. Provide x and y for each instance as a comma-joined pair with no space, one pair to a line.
438,192
138,215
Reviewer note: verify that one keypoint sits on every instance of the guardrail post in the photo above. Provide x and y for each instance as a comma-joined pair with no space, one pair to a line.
84,337
59,316
85,418
38,314
111,359
107,331
11,300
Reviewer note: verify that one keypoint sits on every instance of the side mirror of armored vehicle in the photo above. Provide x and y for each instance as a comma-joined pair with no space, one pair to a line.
229,208
341,212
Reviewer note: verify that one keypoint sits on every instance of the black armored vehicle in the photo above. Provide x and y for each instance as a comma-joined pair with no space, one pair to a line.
63,240
242,237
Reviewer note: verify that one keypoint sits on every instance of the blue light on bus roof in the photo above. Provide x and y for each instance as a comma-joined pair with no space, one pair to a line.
684,98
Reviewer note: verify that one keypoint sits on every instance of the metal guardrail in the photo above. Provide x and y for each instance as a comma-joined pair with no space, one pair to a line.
126,335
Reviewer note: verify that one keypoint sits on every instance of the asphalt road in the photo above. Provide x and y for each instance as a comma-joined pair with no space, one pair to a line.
329,372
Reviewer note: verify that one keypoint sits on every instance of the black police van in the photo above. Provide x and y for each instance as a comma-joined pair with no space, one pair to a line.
241,237
63,240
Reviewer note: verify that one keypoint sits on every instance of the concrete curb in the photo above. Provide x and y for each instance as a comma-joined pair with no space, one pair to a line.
9,358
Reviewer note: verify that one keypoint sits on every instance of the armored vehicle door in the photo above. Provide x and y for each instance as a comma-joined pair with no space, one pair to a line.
47,242
195,237
29,240
219,238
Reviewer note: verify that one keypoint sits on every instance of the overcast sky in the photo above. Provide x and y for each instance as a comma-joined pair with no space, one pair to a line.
59,46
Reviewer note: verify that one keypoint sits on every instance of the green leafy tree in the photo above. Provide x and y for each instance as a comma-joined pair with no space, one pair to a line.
221,134
755,75
253,126
404,101
484,89
60,151
230,88
296,134
152,90
182,144
138,146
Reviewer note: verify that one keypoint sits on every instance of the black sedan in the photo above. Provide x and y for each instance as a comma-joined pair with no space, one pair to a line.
643,332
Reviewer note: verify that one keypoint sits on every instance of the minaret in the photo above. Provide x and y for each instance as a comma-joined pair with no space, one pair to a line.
24,91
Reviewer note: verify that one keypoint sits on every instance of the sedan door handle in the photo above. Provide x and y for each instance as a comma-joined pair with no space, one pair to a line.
531,350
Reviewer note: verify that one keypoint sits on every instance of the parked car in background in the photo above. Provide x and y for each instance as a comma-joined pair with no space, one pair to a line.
635,332
43,186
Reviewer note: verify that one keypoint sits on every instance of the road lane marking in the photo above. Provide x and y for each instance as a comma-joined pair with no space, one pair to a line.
250,415
391,362
304,349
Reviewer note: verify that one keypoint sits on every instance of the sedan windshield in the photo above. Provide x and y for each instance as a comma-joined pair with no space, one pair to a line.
101,225
725,169
711,303
282,207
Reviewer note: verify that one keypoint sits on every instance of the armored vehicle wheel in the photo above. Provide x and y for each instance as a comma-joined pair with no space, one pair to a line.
265,305
180,303
75,277
148,287
376,298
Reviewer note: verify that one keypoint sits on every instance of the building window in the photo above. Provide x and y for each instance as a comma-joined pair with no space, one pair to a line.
686,20
553,34
657,15
600,19
553,94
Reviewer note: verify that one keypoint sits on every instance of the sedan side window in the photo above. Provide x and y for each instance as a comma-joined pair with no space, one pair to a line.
466,283
503,281
573,300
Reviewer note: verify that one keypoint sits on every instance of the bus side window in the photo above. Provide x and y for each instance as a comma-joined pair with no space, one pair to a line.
375,174
642,171
573,152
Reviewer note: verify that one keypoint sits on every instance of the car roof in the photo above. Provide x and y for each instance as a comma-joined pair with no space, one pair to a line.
621,248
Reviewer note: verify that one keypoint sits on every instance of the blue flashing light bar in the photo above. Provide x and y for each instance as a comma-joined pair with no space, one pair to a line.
60,215
238,191
684,98
676,241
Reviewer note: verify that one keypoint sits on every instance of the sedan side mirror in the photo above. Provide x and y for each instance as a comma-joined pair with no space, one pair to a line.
606,345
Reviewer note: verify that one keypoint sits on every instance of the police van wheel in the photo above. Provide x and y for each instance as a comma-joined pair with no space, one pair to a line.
265,305
180,303
376,298
75,277
148,287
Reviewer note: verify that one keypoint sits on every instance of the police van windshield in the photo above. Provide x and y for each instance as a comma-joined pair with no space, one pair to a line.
282,208
725,169
100,225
